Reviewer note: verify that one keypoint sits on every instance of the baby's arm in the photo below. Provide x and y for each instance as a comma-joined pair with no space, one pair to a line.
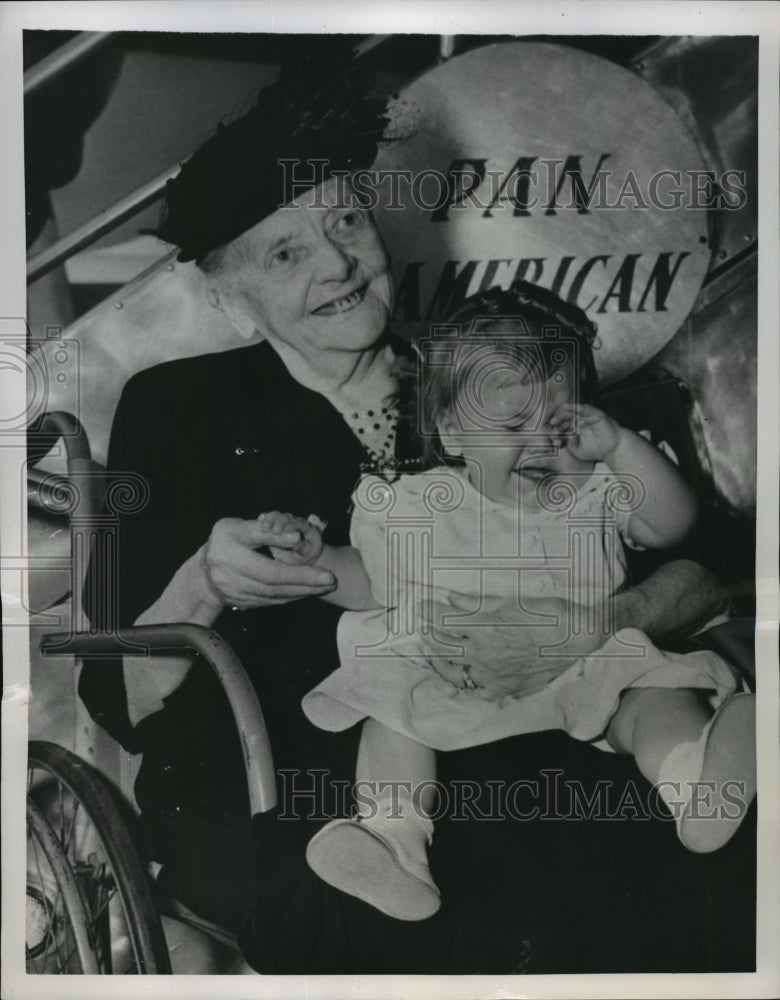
668,510
353,588
304,546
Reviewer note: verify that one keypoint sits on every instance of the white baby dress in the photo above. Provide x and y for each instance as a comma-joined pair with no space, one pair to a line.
433,535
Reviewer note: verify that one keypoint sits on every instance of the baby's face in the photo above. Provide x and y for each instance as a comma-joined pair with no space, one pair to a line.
502,431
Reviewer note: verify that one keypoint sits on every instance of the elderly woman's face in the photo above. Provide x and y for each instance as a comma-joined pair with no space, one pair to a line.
314,277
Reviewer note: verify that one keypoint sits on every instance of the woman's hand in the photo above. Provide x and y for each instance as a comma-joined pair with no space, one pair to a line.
592,435
240,577
506,656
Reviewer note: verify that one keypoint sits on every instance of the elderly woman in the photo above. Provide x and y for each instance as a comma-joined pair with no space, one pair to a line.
289,424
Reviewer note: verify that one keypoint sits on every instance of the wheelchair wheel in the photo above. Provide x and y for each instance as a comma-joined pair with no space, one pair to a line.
57,932
89,905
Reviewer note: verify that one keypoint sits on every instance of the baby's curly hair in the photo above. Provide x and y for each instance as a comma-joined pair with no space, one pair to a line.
530,322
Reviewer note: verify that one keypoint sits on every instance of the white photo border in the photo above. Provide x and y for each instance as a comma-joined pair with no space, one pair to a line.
404,16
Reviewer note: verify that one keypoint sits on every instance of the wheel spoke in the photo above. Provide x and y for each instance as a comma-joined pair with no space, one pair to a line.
49,907
102,911
55,908
30,959
73,952
102,891
62,816
66,844
102,908
37,864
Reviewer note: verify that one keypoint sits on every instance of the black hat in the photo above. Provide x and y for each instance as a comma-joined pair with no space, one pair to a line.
313,112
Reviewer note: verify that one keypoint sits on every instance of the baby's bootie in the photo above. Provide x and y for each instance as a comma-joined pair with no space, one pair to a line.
381,859
708,785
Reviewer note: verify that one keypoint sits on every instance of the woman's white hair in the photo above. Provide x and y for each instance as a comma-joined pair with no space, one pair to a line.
225,260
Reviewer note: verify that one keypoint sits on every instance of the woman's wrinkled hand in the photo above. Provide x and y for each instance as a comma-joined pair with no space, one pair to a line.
505,655
241,577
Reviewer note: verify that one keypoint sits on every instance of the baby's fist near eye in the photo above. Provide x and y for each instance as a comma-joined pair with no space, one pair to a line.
591,436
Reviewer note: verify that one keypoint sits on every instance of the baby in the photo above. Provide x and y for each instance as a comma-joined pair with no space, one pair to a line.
532,492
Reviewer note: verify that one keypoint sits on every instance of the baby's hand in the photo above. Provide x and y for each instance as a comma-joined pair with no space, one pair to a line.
593,436
300,540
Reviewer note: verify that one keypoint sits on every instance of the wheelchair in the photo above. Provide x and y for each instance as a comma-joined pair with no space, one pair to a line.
92,906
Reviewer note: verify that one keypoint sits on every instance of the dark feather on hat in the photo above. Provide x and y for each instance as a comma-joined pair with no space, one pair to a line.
316,110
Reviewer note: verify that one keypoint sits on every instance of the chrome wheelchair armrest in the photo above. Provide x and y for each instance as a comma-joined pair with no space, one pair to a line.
52,426
141,640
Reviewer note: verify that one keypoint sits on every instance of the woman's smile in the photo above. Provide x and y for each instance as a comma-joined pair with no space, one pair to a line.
343,304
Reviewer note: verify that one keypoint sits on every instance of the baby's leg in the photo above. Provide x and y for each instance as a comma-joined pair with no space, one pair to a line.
651,722
381,856
703,764
387,756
